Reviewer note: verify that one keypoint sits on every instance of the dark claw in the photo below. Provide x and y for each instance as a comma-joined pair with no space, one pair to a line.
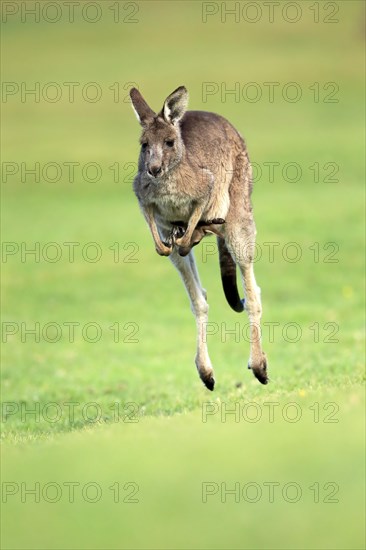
209,383
262,377
217,221
168,243
178,232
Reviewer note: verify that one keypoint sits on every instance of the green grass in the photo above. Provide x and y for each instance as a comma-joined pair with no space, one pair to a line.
149,374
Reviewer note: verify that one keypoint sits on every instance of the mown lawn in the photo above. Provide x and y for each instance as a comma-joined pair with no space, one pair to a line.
128,408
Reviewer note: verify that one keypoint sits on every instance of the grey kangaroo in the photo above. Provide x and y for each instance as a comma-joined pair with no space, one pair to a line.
194,178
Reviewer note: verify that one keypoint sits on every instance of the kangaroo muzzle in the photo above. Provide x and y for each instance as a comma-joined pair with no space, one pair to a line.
154,167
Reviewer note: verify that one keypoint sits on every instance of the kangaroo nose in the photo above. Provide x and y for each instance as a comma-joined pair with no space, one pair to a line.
154,170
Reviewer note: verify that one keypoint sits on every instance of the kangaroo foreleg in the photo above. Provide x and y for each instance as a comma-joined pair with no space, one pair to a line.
163,249
185,241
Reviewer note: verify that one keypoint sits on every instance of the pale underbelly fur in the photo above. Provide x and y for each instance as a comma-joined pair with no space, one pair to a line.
170,209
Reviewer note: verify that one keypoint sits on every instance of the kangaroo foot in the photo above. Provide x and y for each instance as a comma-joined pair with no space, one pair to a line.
206,375
259,368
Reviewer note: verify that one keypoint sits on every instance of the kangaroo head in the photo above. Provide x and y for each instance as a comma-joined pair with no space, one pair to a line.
161,141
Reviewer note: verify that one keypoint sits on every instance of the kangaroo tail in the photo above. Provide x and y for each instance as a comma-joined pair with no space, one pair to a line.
228,277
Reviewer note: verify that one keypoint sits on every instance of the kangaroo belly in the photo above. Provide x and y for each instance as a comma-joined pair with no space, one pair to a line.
170,208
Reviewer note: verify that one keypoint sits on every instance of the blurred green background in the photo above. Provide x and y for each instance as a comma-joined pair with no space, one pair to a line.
141,365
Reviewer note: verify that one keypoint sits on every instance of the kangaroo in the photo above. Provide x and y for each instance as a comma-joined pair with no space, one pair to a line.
194,178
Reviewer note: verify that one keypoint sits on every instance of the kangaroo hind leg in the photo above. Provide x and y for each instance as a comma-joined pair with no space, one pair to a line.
188,272
240,241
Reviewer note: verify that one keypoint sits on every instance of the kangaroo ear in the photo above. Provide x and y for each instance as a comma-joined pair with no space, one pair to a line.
175,105
143,112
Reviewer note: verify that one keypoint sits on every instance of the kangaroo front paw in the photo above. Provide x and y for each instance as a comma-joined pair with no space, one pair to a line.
216,221
183,242
163,249
178,232
259,368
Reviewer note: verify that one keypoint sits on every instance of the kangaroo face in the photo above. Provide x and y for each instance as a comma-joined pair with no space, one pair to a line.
161,142
161,147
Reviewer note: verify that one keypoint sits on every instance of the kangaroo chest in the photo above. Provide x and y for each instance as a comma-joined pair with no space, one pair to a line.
174,207
172,200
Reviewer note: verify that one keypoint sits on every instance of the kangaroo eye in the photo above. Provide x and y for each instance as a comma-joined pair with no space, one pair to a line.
169,143
144,145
